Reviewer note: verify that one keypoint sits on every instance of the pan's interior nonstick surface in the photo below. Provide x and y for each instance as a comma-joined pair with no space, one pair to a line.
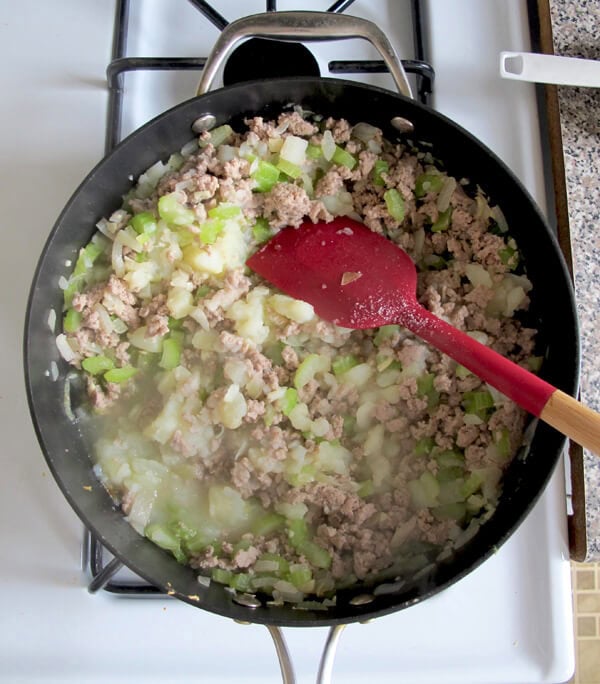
62,442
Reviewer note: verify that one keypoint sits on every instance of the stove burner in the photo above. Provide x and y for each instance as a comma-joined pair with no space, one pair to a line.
264,58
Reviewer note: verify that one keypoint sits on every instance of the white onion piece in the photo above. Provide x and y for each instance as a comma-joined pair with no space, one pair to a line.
64,348
52,320
117,257
364,131
443,200
53,371
328,145
190,147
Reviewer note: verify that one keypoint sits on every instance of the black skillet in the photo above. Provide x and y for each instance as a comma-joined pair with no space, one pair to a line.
552,308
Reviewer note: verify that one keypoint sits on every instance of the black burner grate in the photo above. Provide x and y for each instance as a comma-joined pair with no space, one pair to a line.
93,552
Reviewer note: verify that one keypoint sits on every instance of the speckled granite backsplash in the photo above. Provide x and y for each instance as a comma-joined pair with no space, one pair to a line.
576,31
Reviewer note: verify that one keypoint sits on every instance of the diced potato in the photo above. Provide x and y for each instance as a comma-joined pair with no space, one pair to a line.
333,458
374,441
477,274
227,507
294,309
206,259
364,415
140,274
161,429
295,511
232,409
139,338
205,340
179,302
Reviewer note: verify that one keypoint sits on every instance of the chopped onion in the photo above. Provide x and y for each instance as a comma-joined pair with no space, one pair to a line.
53,371
203,580
52,320
328,145
64,348
443,199
67,398
364,132
117,258
226,153
190,147
63,283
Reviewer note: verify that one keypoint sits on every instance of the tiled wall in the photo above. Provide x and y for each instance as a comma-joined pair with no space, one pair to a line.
586,603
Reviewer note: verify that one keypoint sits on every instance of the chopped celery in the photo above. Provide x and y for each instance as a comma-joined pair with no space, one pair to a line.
288,401
434,262
462,372
395,204
201,292
365,489
261,230
450,511
343,158
267,524
314,151
299,575
297,531
341,364
119,375
164,538
315,554
171,353
241,581
443,221
450,473
265,175
144,223
449,458
278,564
428,182
97,364
219,135
424,446
290,169
87,257
509,257
379,167
225,211
173,212
478,403
349,424
71,321
534,363
503,443
451,491
210,230
310,366
424,491
385,332
425,388
221,576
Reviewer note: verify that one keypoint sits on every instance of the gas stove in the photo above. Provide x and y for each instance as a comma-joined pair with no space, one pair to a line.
507,622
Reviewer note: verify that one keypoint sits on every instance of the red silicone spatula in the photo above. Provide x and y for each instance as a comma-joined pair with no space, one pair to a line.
359,279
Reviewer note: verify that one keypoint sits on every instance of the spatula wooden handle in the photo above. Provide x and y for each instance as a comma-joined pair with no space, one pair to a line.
573,419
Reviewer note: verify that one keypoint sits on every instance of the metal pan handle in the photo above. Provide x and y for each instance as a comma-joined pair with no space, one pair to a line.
303,26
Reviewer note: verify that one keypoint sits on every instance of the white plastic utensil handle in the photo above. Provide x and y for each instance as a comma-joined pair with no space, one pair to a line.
529,66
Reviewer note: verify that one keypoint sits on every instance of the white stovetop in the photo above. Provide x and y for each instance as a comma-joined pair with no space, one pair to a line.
52,123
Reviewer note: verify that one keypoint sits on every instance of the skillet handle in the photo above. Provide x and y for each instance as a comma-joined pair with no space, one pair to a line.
302,26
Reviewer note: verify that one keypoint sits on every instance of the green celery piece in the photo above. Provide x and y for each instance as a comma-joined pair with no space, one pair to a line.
462,372
450,473
307,369
443,221
385,332
289,400
201,292
297,532
451,511
87,257
472,484
71,321
479,403
449,458
379,167
434,262
171,353
424,491
95,365
210,230
343,158
343,363
315,554
225,211
267,524
503,443
451,492
261,230
144,223
395,204
299,575
425,388
534,363
241,581
273,352
220,135
282,564
424,446
173,212
119,375
349,424
162,537
365,489
290,169
428,182
314,151
221,576
265,175
475,503
509,257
